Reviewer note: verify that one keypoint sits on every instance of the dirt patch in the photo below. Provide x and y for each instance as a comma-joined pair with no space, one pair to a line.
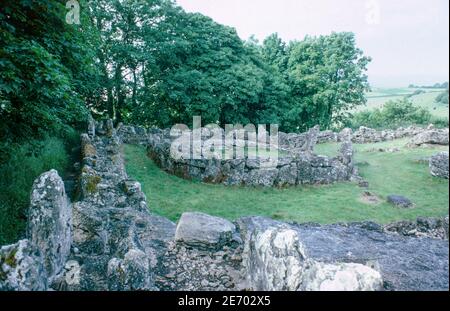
369,198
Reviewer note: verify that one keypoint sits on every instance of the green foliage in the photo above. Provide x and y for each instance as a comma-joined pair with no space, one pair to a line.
26,162
161,66
327,79
394,114
442,98
44,66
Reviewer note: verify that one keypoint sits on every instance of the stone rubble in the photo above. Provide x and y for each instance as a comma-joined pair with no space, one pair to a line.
439,165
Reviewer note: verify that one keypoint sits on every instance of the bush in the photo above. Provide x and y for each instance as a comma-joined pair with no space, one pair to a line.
415,93
442,98
393,115
25,163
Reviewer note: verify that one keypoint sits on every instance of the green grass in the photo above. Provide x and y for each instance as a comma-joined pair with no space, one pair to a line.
387,173
379,96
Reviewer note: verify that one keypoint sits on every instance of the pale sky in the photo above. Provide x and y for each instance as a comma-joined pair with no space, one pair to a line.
407,39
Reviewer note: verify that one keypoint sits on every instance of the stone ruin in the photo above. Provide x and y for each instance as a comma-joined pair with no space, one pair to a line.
108,239
296,164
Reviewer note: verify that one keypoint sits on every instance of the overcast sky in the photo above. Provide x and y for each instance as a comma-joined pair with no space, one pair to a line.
407,39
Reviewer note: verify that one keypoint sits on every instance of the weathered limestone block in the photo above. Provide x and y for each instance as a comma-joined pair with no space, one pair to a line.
341,277
287,175
261,177
433,136
91,127
87,148
274,258
33,263
334,256
312,137
204,231
50,221
439,165
89,233
89,181
131,273
22,268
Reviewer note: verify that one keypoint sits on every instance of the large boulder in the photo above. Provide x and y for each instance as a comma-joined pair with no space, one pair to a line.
204,231
433,137
275,258
439,165
50,221
310,256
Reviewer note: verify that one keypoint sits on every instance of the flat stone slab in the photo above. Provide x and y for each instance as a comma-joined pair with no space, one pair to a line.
400,201
201,230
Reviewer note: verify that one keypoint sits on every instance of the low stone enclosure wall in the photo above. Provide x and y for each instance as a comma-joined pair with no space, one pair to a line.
109,240
297,163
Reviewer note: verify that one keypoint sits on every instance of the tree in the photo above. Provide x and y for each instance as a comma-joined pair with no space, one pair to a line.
44,66
327,79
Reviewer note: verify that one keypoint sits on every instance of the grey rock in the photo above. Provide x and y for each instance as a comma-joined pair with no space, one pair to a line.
22,268
399,201
435,137
287,175
436,228
261,177
439,165
201,230
275,258
50,221
131,273
405,263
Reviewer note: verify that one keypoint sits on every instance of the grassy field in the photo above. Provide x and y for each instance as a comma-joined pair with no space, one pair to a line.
388,173
379,96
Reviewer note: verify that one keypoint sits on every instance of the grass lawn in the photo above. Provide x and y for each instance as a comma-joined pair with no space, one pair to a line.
388,173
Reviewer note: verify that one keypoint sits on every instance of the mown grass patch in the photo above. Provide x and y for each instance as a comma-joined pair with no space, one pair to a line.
387,173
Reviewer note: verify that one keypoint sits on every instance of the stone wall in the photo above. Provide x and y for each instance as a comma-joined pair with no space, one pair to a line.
297,163
110,240
296,168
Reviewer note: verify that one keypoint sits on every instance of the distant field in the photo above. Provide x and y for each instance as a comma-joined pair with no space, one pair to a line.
379,96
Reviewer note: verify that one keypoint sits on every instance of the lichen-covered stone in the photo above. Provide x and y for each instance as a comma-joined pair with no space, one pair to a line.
433,136
439,165
201,230
399,201
50,221
22,268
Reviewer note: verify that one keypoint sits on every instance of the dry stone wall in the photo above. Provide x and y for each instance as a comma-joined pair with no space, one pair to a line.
297,164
